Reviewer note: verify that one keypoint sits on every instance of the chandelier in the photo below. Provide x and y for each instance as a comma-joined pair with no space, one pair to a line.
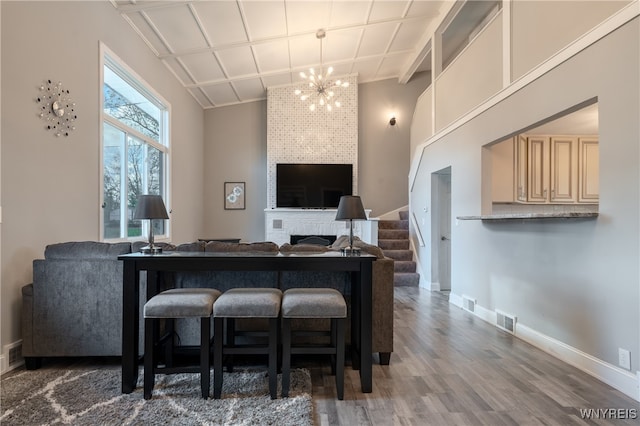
321,90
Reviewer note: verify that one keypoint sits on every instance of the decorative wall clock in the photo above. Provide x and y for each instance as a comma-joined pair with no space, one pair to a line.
56,108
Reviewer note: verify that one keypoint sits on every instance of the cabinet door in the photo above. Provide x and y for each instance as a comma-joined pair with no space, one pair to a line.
538,169
589,165
564,173
520,167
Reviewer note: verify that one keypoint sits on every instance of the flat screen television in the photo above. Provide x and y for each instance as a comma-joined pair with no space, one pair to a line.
312,186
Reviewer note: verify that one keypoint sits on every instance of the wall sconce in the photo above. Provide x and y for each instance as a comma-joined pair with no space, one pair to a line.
392,120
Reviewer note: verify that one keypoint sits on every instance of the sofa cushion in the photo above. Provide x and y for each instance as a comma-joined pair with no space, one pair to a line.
86,250
195,246
219,246
292,248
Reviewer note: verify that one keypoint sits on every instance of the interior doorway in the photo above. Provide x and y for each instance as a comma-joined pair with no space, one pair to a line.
441,229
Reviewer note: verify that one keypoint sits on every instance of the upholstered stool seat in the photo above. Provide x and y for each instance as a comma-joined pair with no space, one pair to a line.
314,303
246,303
172,304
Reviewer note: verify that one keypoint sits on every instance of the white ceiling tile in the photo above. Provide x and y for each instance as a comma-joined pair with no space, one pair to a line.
345,13
250,89
142,26
366,69
279,79
200,97
340,45
376,39
265,19
203,67
304,53
222,21
179,71
237,61
307,16
385,10
408,35
178,27
272,56
221,94
425,8
392,65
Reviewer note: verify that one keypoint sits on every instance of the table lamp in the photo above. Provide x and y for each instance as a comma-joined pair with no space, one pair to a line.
150,207
350,208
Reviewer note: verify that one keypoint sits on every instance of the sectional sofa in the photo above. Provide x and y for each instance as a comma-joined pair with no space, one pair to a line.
74,305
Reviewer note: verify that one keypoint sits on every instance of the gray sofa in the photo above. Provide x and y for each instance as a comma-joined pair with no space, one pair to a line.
74,305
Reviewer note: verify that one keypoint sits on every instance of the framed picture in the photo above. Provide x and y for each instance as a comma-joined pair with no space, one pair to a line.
234,193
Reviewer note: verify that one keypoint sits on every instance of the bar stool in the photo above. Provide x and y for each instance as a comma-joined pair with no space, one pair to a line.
314,303
172,304
246,303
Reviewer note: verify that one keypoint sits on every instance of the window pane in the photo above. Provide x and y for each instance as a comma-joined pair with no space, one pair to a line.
135,181
128,105
112,182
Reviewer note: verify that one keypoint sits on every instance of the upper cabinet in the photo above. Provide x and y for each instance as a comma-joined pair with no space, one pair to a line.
556,169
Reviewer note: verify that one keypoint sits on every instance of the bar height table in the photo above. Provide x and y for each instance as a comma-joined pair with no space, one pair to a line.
155,264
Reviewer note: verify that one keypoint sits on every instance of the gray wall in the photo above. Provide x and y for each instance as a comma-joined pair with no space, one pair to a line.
575,281
50,186
384,150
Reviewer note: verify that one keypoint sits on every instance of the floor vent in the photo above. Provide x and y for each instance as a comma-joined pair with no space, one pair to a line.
15,355
506,321
468,304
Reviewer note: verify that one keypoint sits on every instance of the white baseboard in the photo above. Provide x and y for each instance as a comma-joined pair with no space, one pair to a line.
394,214
625,381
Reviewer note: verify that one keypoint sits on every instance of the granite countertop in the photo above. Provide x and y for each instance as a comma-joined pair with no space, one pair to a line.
511,216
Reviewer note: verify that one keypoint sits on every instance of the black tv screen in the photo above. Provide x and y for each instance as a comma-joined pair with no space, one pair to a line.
312,185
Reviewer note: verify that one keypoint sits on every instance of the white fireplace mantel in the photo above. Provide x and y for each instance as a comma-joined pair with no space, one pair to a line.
281,223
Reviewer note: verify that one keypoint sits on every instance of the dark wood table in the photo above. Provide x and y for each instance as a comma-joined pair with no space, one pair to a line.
155,264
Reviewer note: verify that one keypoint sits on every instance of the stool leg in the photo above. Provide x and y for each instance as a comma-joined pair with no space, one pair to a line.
286,356
340,357
333,344
231,341
205,364
149,357
218,331
273,357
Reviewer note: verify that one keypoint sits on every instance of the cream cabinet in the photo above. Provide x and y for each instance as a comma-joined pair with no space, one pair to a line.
588,170
556,169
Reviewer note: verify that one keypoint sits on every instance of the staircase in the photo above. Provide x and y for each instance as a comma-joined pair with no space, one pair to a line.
393,239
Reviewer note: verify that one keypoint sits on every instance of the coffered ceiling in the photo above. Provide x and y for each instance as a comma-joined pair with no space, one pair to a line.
226,52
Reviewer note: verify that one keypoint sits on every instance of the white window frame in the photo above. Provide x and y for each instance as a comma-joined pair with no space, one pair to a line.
108,57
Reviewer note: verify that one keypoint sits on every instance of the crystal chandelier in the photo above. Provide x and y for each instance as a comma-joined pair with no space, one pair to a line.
321,90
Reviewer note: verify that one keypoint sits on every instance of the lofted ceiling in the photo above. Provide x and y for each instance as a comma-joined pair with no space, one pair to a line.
226,52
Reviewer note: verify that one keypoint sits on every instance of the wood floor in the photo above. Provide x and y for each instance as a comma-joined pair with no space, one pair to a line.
451,368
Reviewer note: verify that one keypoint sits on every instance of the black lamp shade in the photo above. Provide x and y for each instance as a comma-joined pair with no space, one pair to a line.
150,207
350,208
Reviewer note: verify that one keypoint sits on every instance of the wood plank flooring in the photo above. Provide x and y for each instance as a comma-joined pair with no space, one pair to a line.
451,368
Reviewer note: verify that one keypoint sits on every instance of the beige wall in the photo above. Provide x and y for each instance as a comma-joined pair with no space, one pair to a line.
541,28
50,186
384,151
235,151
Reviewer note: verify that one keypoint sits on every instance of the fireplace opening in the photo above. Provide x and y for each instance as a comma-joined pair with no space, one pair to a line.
313,239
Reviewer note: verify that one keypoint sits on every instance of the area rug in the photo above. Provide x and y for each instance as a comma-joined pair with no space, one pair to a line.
93,397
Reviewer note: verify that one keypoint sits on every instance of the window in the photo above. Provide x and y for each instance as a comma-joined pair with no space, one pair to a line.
135,150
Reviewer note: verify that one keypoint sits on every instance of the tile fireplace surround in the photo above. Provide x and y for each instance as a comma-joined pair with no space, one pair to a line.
281,223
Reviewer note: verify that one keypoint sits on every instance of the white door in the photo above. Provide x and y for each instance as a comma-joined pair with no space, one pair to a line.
441,227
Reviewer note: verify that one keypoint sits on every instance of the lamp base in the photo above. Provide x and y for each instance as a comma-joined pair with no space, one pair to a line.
350,251
151,250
